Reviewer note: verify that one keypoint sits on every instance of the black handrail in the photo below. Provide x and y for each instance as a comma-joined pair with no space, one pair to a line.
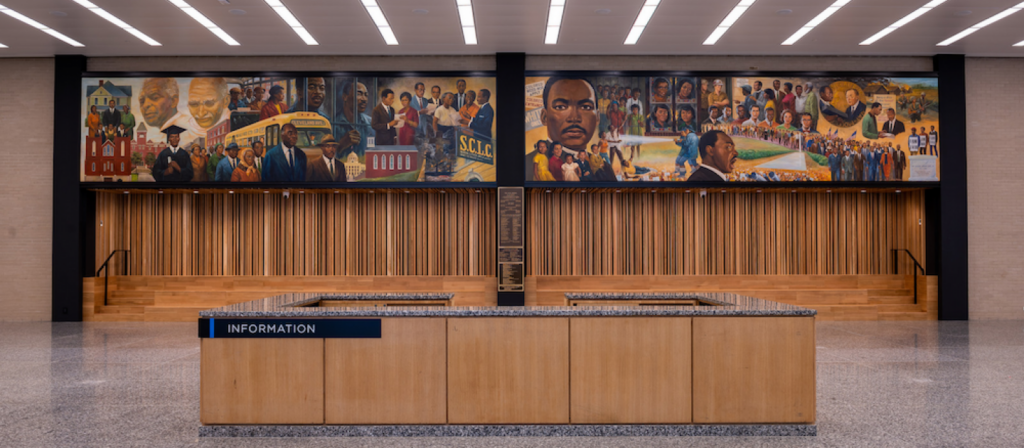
896,267
106,272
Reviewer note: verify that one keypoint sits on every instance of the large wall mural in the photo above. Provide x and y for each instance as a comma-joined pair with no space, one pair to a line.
288,129
738,129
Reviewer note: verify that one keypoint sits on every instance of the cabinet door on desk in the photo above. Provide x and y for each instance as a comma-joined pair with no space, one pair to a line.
261,381
753,370
630,370
397,379
508,370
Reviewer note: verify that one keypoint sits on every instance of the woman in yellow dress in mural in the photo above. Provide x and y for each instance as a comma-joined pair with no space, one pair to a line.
540,163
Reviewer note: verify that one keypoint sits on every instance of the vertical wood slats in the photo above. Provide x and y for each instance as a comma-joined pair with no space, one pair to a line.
315,233
742,233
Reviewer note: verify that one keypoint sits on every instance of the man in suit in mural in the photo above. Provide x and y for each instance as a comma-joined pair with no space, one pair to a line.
111,116
825,108
892,127
383,119
484,118
570,111
325,168
227,165
717,156
460,97
856,107
285,162
419,103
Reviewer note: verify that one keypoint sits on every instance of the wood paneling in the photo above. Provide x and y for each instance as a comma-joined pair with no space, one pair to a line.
630,370
508,370
261,381
753,370
679,233
180,298
397,379
311,233
836,297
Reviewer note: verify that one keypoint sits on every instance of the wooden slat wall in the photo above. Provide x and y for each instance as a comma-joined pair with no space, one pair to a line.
742,233
315,233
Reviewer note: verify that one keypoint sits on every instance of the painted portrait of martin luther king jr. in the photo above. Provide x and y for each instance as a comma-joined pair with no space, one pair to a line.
570,111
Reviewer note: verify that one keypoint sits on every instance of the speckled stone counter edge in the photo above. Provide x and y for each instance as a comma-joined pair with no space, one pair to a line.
506,430
296,305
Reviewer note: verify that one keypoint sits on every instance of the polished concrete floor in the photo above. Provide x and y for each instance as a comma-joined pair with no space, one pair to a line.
880,384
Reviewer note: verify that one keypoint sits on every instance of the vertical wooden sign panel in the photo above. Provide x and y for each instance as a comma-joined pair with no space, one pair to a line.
510,238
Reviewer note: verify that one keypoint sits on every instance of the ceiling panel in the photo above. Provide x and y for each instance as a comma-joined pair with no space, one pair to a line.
426,27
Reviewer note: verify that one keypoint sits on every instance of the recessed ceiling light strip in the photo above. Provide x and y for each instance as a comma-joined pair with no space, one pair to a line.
905,20
468,24
382,22
118,22
646,11
816,21
290,19
728,21
1002,15
555,12
207,23
40,26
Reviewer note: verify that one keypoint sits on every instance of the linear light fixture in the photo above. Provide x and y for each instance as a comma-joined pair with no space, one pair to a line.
555,12
40,26
382,22
646,11
118,22
905,20
1007,12
466,17
3,46
290,19
199,17
728,21
816,21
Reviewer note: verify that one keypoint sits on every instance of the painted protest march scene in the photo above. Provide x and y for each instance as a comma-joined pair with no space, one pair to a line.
288,129
734,129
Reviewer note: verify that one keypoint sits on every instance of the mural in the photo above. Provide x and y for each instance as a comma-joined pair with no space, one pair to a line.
287,129
737,129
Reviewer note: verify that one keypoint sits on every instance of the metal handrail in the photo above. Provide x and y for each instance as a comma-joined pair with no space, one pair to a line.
106,272
896,267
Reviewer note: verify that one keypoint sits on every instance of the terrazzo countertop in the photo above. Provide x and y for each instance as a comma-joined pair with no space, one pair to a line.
297,305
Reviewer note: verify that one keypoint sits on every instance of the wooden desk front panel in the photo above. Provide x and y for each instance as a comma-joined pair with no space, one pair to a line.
630,370
397,379
261,381
753,370
511,370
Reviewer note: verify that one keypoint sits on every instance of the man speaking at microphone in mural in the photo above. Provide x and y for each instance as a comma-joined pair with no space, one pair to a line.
570,112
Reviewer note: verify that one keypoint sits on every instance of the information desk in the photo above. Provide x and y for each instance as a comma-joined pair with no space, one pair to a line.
724,359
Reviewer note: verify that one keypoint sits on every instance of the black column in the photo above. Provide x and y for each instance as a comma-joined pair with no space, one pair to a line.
952,263
68,214
509,161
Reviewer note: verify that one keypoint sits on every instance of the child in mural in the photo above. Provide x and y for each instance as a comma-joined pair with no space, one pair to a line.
570,169
540,162
555,162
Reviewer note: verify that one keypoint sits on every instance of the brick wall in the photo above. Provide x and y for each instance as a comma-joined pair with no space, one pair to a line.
26,188
995,179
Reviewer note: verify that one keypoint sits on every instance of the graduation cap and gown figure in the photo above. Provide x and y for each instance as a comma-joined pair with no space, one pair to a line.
174,163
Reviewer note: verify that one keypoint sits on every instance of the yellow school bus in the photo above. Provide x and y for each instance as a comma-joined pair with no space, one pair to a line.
312,128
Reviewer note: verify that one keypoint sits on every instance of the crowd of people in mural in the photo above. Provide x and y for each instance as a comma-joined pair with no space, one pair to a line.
616,129
278,129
